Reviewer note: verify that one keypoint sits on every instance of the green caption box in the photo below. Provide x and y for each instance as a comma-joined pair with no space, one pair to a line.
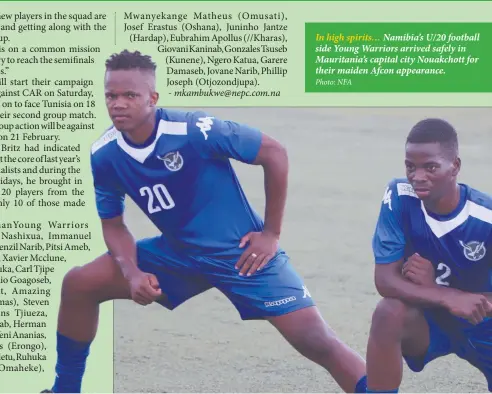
398,57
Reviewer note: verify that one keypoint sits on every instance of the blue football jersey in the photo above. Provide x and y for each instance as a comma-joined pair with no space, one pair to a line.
181,178
459,244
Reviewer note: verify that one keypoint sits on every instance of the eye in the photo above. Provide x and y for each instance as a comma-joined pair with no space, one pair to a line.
410,167
131,95
432,168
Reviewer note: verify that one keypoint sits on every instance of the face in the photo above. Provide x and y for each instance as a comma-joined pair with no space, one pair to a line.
130,98
431,170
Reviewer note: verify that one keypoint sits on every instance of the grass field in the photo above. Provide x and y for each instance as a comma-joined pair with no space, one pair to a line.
341,160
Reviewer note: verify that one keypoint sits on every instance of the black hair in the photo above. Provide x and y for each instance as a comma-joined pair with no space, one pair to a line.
126,60
433,130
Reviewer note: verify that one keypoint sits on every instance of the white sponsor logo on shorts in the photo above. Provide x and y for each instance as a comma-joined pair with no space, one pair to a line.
280,302
306,292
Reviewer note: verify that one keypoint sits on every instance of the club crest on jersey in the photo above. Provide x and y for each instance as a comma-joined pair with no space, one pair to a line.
474,250
172,160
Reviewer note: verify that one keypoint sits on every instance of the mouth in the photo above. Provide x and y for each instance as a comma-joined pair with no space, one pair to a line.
119,118
422,192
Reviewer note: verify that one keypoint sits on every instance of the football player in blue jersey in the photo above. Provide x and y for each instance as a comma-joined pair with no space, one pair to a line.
433,252
176,167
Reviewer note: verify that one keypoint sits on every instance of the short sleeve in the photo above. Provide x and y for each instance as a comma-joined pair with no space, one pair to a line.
109,198
216,138
388,242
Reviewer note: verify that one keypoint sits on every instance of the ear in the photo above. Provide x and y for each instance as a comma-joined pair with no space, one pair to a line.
456,166
154,98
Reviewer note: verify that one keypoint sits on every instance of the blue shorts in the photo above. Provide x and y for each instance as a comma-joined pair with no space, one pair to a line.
449,336
275,290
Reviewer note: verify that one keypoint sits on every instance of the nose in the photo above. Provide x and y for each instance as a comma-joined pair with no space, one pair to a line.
119,103
419,176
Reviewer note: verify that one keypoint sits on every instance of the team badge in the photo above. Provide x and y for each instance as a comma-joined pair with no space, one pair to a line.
474,250
172,160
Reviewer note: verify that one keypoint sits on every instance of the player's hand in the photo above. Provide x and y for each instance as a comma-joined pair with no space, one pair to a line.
262,247
144,288
419,271
469,306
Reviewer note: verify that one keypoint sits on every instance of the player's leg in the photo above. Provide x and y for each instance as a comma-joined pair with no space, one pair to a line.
306,330
85,288
278,294
399,331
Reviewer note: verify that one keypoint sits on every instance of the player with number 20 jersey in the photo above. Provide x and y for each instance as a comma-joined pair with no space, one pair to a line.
176,167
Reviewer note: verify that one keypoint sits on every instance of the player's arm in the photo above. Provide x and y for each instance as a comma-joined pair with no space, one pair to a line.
489,246
110,206
215,138
121,244
420,271
273,157
144,288
390,283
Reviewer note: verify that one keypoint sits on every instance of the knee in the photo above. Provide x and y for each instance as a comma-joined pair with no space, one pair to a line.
318,343
76,283
391,315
